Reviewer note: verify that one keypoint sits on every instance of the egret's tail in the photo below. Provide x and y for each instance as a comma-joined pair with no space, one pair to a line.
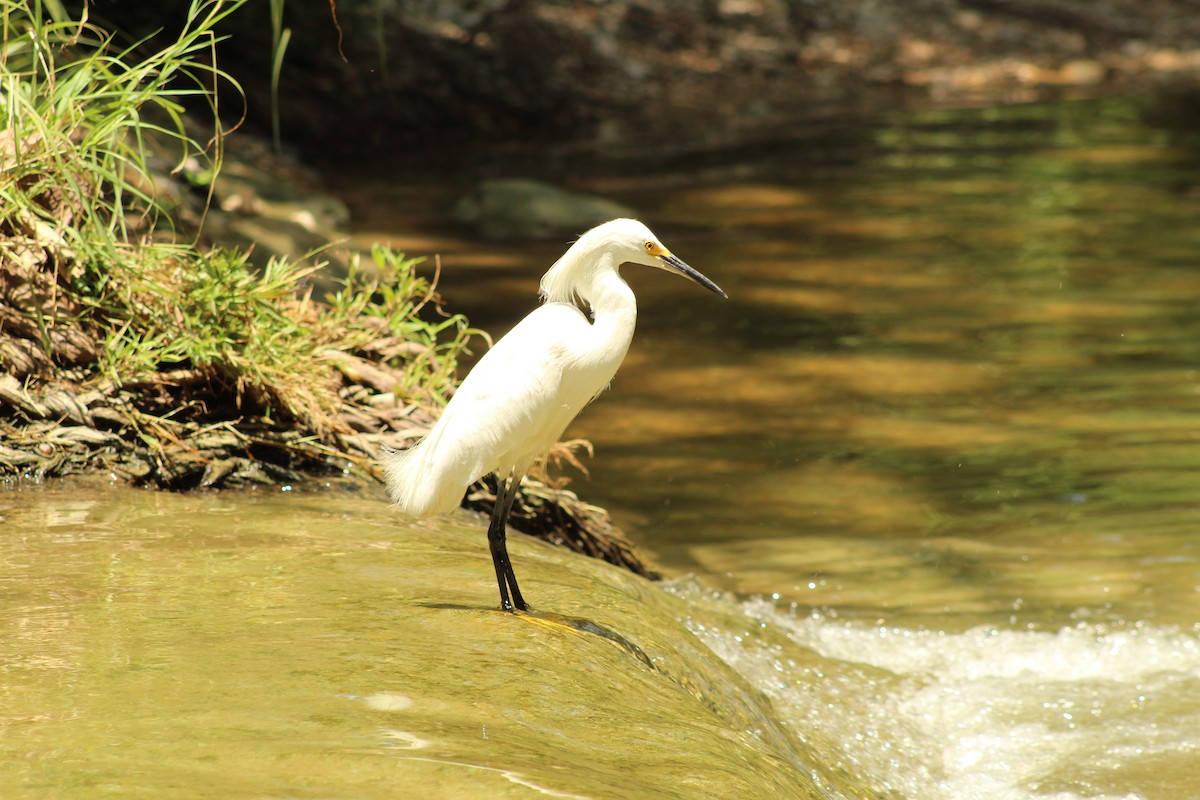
418,485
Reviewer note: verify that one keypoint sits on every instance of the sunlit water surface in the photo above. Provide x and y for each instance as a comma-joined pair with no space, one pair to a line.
927,483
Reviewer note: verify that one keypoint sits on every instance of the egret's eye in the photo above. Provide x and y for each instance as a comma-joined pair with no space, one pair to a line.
650,248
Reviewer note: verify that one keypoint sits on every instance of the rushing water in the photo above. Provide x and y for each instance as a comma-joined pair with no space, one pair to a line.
927,484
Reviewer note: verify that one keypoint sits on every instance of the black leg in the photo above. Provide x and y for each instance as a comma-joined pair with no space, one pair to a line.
514,484
506,493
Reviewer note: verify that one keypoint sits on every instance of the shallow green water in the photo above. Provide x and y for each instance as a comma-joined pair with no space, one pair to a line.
158,645
932,467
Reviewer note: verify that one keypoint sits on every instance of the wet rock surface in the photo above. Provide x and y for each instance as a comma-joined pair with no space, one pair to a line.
516,209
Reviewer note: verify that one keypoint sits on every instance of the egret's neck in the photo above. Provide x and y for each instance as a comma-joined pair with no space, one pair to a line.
608,294
614,308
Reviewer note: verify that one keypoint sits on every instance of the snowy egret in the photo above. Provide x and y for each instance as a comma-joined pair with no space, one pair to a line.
513,406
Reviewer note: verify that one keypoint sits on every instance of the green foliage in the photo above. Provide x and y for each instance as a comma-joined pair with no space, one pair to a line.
280,37
254,330
87,238
77,110
393,298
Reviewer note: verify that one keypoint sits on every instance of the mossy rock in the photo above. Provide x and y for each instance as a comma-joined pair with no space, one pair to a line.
517,209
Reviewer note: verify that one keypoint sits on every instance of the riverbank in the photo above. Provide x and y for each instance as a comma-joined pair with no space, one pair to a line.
366,80
141,342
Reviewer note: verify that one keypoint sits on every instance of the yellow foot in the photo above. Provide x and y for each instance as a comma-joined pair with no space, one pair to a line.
577,626
569,624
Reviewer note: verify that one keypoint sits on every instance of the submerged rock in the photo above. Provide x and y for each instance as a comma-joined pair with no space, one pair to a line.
514,209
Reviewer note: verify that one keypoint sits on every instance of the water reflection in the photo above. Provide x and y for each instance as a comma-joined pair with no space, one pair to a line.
975,325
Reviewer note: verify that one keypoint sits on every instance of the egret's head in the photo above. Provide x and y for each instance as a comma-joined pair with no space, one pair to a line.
625,241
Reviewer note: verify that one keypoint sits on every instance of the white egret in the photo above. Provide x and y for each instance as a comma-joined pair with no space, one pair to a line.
514,405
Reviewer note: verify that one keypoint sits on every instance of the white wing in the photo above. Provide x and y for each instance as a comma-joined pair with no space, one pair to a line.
508,411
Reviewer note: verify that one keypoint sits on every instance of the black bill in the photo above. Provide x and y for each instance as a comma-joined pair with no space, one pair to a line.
673,264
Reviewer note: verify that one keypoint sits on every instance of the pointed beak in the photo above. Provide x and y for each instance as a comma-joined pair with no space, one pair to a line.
673,264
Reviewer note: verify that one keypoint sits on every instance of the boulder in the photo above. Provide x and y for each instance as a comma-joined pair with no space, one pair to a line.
517,209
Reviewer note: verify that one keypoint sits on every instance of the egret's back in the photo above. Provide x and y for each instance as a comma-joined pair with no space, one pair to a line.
508,412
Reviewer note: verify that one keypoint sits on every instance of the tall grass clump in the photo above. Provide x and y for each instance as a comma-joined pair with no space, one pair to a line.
77,112
104,295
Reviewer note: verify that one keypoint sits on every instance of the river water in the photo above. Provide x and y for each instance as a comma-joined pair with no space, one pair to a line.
925,488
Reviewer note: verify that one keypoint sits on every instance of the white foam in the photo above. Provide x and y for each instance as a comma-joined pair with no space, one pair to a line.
1083,713
388,701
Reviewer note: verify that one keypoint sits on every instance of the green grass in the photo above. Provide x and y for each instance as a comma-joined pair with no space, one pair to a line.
90,251
77,111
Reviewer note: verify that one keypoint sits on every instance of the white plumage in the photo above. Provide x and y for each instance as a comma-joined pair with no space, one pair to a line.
517,401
